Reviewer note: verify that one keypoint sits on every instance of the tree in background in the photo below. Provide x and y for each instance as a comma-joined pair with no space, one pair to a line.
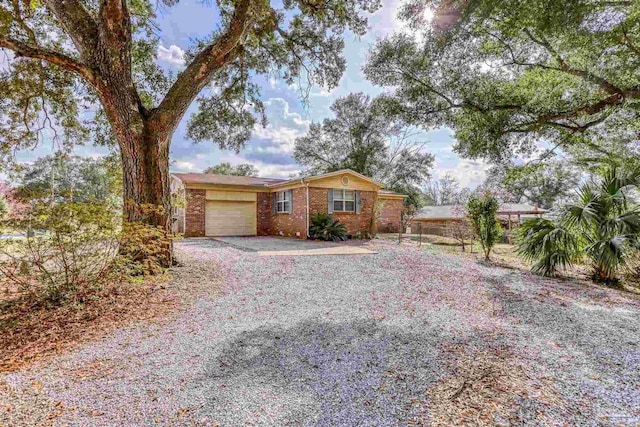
68,56
445,191
602,223
482,211
506,74
362,137
541,184
225,168
72,179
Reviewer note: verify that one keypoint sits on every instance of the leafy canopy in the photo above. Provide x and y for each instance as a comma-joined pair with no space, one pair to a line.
72,179
505,74
541,184
363,138
59,56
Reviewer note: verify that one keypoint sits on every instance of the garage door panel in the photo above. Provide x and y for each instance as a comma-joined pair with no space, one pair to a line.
230,218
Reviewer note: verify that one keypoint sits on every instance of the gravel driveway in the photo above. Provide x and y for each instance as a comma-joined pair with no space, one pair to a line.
404,337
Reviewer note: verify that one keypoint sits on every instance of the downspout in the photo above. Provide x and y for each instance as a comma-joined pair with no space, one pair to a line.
307,185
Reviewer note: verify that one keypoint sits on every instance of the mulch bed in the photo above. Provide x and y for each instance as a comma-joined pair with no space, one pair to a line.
30,332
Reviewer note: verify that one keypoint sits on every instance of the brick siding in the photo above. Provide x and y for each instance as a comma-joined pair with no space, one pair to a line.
389,219
194,211
285,224
264,214
355,223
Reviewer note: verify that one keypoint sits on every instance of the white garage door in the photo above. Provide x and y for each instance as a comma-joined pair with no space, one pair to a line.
230,218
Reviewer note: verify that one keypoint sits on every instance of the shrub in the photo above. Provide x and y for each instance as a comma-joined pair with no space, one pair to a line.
602,223
67,248
324,227
482,214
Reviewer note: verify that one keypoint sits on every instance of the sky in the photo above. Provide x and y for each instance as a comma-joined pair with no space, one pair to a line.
270,149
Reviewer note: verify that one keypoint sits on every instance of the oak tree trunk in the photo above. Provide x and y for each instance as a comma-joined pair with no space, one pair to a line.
145,173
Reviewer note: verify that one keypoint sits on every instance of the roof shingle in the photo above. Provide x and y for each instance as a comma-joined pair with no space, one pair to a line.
202,178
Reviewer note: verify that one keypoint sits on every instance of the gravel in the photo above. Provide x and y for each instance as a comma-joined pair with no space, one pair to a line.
350,341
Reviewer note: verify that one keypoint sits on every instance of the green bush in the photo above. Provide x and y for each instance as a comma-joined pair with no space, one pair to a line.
67,249
602,223
70,250
324,227
482,214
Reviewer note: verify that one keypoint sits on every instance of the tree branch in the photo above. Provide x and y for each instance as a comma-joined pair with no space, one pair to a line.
199,72
602,83
78,23
63,61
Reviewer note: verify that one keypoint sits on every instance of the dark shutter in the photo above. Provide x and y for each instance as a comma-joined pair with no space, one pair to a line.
330,198
274,204
290,197
358,202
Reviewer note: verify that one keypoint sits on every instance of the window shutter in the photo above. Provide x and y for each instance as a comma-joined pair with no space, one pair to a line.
290,197
274,204
358,202
330,198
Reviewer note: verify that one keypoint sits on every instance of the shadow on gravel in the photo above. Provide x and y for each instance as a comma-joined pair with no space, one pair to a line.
317,373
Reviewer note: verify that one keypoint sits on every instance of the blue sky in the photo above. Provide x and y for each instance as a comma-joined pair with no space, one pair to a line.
270,148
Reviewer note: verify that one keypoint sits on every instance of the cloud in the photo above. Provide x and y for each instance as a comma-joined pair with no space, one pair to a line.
284,126
173,55
469,173
183,165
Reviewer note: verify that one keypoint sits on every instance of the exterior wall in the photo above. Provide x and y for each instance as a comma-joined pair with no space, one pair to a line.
194,213
355,223
389,219
285,224
435,227
263,212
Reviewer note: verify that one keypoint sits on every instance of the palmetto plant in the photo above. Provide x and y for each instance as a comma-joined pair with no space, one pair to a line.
602,224
324,227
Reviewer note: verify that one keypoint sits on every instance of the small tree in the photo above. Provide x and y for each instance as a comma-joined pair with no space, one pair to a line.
460,229
406,216
482,215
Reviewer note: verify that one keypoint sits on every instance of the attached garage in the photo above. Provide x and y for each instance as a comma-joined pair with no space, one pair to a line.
230,213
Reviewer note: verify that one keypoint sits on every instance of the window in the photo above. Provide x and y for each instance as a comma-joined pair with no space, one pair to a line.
283,202
344,201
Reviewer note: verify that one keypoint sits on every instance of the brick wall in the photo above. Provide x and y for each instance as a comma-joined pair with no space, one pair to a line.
318,202
389,220
264,214
194,212
285,224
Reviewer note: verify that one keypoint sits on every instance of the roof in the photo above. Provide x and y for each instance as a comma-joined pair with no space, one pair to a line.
326,175
209,178
456,211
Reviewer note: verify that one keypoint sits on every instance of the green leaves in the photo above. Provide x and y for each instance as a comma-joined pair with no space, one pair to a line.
366,137
550,246
482,213
598,224
506,74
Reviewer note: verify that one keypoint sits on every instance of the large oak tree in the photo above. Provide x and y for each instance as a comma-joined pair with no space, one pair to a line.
507,74
62,57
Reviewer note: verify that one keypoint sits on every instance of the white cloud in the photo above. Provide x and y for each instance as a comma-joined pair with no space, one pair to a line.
284,126
469,173
173,54
183,165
